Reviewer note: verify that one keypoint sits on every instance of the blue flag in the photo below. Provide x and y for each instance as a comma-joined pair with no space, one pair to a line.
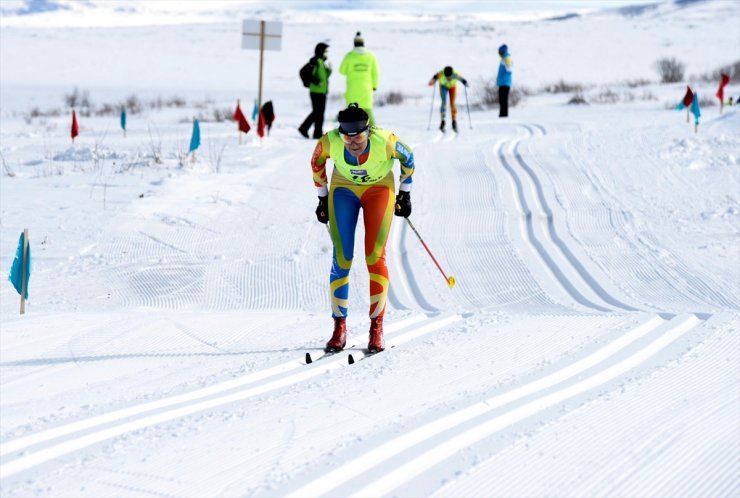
195,139
16,271
695,108
255,111
123,119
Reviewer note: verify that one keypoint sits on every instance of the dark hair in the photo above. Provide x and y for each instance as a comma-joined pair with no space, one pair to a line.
352,120
448,71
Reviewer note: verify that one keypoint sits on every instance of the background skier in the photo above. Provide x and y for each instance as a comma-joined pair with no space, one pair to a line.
448,79
363,159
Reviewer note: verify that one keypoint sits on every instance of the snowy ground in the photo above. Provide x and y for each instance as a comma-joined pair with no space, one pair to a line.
589,348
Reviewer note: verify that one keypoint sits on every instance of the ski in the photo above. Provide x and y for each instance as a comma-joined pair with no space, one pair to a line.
362,354
318,355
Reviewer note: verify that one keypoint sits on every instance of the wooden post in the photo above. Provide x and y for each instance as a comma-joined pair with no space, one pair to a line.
721,106
262,53
696,127
24,267
687,114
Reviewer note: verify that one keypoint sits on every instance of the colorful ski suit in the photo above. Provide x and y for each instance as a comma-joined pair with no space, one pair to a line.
447,85
365,182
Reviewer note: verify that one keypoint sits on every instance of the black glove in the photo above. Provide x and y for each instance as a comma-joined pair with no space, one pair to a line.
322,211
464,81
403,204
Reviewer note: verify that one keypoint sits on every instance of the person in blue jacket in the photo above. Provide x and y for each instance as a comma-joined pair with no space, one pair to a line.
503,80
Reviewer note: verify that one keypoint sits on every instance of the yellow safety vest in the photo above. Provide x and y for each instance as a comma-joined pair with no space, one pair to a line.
373,170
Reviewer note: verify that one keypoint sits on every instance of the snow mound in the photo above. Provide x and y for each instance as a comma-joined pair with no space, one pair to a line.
87,154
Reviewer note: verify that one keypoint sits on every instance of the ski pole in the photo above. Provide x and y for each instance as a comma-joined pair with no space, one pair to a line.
450,279
431,109
467,106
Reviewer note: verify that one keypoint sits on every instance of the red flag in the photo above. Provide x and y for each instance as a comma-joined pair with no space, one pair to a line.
261,125
723,80
688,98
75,126
241,119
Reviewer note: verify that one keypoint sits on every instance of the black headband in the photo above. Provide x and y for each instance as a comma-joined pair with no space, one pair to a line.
353,128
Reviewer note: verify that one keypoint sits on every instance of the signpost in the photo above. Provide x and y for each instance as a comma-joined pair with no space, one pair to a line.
261,35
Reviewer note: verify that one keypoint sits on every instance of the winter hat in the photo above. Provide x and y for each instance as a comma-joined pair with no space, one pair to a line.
320,49
503,49
359,42
352,120
448,71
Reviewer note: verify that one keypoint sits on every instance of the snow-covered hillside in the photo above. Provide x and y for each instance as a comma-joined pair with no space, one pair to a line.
590,347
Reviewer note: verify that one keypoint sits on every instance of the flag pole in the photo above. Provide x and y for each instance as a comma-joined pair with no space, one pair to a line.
687,114
24,269
262,53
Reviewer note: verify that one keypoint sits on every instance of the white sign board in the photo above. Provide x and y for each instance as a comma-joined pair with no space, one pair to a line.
252,33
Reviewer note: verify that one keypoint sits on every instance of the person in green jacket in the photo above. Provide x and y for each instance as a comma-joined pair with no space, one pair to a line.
361,69
318,89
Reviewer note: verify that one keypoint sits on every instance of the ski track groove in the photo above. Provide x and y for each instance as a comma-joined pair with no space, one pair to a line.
559,243
610,473
495,271
554,270
452,444
91,431
358,471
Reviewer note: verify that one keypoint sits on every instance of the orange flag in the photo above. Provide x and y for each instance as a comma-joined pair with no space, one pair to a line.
75,126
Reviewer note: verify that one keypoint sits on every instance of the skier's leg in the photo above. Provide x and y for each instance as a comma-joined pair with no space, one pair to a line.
453,106
344,208
443,98
377,211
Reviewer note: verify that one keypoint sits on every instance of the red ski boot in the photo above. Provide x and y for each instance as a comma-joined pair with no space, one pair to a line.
339,338
376,343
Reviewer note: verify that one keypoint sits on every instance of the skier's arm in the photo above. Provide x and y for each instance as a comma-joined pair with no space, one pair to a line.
462,80
434,79
318,165
399,150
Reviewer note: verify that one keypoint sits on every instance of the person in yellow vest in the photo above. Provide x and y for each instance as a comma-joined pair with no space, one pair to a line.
361,69
363,158
448,79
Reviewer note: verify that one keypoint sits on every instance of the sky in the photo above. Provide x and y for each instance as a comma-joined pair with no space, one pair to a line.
30,6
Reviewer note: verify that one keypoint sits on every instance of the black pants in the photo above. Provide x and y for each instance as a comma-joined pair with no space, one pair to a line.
503,101
316,118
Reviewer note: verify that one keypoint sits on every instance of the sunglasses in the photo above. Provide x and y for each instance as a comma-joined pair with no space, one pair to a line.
348,139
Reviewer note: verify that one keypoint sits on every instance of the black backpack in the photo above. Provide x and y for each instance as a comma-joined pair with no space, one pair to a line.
306,74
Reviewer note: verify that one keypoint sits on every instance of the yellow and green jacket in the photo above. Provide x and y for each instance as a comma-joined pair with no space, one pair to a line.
370,167
361,69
